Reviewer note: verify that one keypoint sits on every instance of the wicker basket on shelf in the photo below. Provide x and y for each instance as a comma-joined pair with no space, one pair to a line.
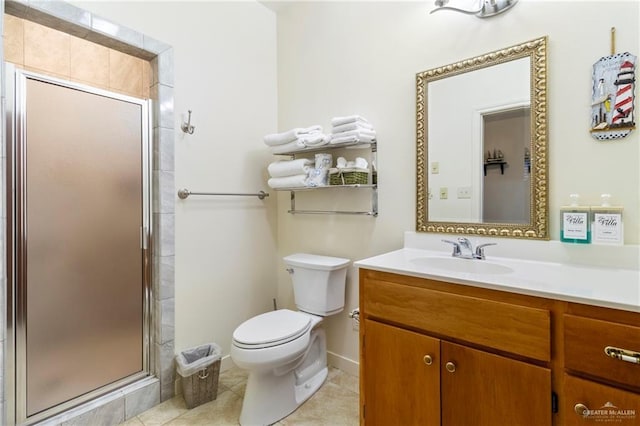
348,177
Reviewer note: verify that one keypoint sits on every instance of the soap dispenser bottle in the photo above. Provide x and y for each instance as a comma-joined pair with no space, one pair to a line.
606,222
575,226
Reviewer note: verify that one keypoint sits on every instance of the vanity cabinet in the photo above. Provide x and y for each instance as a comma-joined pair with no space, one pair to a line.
440,353
403,380
430,356
606,404
600,387
481,388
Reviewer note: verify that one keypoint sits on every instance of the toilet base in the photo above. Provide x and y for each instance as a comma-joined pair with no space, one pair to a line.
272,395
308,388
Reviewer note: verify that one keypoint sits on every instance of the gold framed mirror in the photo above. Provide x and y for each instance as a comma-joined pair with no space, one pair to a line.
481,127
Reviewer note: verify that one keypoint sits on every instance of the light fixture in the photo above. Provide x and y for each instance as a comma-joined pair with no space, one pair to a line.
483,8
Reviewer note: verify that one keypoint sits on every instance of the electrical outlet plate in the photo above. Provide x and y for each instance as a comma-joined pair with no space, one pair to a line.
435,167
464,192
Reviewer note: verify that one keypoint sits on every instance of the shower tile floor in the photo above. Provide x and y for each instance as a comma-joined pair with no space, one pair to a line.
335,404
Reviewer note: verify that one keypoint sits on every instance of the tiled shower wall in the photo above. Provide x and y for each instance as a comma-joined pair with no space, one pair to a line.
44,50
61,40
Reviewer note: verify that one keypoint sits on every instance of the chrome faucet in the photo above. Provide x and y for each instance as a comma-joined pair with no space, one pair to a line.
463,248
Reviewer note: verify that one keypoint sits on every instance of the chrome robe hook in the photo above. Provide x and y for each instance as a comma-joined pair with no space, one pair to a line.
187,127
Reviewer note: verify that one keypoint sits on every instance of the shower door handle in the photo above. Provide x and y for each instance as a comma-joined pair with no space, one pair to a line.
144,240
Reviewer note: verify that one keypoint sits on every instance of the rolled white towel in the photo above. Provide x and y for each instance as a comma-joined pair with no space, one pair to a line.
337,121
361,163
301,144
275,139
297,181
354,125
284,168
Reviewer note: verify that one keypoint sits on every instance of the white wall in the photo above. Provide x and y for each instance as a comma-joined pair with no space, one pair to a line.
340,58
225,71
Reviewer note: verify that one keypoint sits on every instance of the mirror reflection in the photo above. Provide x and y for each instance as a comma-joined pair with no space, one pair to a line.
481,155
506,174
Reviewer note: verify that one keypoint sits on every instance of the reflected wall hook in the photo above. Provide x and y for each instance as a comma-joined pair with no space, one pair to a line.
187,127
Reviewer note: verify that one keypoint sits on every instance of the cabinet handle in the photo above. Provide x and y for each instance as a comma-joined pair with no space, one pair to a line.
427,359
451,367
622,354
581,409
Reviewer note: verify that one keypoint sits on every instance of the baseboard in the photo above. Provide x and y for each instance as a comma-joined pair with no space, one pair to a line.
226,363
340,362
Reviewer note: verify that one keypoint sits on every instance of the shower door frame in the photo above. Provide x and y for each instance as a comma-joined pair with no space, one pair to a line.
16,81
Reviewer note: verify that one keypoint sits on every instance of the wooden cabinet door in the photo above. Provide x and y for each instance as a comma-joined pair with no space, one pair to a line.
483,389
401,385
589,403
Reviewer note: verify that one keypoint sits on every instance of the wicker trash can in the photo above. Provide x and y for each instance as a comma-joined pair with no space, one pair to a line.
199,369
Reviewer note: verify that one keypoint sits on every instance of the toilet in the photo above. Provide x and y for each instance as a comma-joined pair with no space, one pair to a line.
285,351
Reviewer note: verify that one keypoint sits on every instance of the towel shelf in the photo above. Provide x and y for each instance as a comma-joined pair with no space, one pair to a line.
374,201
316,188
369,213
373,187
312,150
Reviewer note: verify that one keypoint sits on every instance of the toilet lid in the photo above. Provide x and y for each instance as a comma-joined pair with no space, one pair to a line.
272,328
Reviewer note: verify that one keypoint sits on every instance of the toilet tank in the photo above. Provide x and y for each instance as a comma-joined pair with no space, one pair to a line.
318,282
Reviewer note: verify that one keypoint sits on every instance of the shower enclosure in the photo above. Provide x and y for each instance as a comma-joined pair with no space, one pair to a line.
78,214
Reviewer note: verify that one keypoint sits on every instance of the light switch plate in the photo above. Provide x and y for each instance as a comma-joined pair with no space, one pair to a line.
444,193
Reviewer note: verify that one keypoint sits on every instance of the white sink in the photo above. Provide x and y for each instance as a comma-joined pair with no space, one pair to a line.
456,264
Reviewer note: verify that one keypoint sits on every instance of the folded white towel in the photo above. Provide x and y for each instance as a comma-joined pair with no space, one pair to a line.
370,134
301,144
290,135
347,140
354,125
297,181
350,140
314,139
284,168
360,145
337,121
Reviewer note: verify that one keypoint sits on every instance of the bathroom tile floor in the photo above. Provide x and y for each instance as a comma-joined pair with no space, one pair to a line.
335,404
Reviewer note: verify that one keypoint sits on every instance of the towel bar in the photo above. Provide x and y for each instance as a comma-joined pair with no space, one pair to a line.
184,193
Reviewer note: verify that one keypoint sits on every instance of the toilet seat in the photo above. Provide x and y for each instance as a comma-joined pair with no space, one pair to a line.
271,329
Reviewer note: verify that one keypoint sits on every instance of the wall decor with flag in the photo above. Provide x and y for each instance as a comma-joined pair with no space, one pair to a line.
613,95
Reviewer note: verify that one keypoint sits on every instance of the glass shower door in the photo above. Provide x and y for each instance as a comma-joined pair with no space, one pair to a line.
81,216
